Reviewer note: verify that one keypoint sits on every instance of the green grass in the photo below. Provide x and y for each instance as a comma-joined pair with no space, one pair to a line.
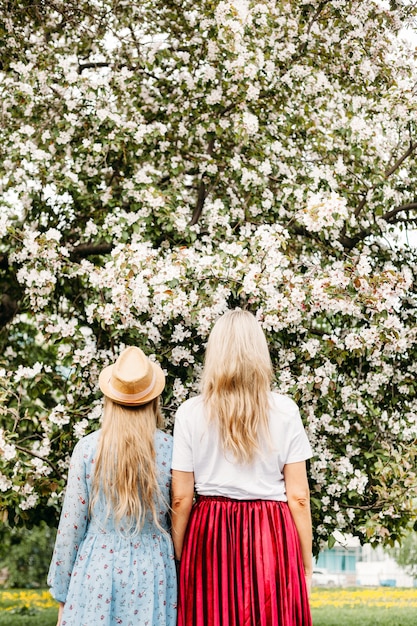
40,617
362,606
325,616
335,607
364,616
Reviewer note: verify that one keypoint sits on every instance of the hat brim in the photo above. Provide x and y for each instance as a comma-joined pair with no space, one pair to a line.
104,380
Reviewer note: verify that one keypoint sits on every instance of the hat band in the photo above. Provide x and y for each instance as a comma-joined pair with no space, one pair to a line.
131,397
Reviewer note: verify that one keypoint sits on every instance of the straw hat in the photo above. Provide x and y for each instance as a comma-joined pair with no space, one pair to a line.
133,379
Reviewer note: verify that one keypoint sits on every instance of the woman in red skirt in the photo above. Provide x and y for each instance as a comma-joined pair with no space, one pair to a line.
245,543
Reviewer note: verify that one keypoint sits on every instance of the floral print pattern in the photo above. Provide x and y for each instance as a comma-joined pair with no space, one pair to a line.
106,575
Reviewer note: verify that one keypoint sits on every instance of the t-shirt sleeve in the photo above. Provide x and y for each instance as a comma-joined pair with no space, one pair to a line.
182,454
299,448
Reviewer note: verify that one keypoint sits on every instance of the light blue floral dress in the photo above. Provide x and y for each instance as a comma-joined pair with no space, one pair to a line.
106,576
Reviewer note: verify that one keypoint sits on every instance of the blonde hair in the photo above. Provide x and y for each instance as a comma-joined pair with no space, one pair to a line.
236,383
125,468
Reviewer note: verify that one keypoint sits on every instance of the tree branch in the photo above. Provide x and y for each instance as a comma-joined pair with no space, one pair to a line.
388,217
92,65
201,197
202,190
88,65
361,205
345,241
350,242
88,249
400,161
9,305
39,456
311,23
8,309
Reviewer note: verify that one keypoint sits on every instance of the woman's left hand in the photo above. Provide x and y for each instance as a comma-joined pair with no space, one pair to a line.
308,583
60,611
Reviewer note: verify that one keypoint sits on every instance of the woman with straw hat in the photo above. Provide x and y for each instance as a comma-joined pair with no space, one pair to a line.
245,546
113,558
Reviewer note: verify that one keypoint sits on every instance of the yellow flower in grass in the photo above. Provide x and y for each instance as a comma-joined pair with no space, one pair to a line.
13,599
384,597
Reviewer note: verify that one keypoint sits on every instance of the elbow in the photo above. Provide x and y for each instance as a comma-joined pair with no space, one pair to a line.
299,499
181,502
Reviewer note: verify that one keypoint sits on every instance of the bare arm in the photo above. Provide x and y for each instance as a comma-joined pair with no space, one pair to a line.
60,611
298,494
182,501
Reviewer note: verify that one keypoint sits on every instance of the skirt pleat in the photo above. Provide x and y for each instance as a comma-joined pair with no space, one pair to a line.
241,566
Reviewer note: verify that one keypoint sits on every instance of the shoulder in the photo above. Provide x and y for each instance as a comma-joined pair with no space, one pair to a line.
163,445
85,450
190,407
284,412
89,442
192,403
163,439
283,404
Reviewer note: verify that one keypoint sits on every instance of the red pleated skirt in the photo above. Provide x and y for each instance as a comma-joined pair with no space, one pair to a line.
241,565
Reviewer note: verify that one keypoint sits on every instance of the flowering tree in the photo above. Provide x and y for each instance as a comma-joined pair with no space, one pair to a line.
164,161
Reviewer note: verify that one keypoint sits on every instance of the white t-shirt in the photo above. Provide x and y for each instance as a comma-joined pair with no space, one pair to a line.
197,449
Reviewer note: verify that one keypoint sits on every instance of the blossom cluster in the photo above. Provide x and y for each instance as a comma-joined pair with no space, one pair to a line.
161,167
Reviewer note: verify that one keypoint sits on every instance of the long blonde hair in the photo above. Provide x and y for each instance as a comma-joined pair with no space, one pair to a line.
236,383
125,468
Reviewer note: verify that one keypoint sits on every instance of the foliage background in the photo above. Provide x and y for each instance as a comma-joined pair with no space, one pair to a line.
164,161
26,553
